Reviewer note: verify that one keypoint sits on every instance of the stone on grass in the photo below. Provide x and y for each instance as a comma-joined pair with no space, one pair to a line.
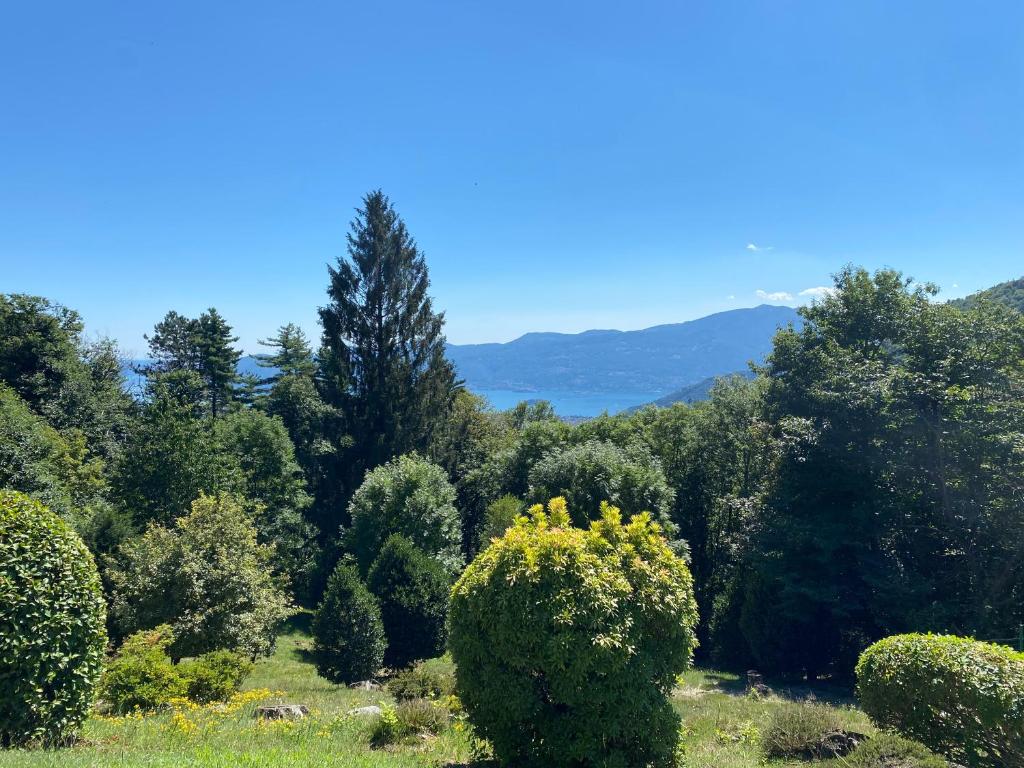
365,711
282,712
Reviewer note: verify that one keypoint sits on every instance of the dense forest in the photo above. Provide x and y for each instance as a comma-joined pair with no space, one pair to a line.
866,481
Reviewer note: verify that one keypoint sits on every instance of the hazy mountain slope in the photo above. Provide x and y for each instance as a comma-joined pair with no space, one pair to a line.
1010,293
659,359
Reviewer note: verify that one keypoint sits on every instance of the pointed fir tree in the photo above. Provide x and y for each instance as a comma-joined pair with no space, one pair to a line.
218,359
383,359
293,356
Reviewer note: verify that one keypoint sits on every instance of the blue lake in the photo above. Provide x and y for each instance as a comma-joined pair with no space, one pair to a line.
571,403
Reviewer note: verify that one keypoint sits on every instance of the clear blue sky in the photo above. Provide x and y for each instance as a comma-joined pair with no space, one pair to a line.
563,165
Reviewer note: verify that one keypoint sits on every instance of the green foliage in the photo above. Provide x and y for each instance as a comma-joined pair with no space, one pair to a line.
142,676
501,515
412,589
412,717
408,496
37,460
207,577
202,346
265,473
171,458
348,634
52,619
795,730
422,681
567,641
1010,293
887,750
895,498
214,676
293,356
960,697
595,471
382,364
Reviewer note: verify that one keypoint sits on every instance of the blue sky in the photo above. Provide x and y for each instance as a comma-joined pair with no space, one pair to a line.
563,165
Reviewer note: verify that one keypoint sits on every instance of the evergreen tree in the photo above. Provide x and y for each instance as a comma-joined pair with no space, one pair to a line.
293,356
218,359
383,363
203,346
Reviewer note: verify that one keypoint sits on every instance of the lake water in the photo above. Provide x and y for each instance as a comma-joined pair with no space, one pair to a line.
571,403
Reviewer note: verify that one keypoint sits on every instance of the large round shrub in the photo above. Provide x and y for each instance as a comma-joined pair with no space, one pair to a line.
958,696
568,641
413,593
412,497
348,635
52,620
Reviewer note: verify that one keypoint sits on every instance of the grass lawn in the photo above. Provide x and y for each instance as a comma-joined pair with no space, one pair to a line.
720,728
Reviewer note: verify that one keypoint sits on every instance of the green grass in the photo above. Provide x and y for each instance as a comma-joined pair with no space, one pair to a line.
720,728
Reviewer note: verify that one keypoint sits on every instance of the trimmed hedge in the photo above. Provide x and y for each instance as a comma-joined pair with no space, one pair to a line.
52,625
567,642
957,696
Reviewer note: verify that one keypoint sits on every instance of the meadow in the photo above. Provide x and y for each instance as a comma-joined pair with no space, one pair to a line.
721,725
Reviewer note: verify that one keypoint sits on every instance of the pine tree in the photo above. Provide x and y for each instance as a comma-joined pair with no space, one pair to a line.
218,359
382,363
293,356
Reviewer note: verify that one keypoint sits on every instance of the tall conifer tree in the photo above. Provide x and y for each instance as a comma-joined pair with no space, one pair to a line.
383,362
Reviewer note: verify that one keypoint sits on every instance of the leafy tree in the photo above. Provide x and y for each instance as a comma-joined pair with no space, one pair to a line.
408,496
172,457
895,504
413,592
348,635
592,472
37,460
501,515
265,473
383,359
207,577
75,385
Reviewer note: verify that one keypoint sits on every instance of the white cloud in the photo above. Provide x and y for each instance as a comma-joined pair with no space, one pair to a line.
731,297
956,285
755,248
774,295
819,292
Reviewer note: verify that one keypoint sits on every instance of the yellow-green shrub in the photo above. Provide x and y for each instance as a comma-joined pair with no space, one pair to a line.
52,619
568,641
960,697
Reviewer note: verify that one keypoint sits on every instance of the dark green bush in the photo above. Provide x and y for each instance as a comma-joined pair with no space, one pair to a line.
214,676
413,593
422,681
142,676
348,635
795,730
887,750
959,697
567,642
52,619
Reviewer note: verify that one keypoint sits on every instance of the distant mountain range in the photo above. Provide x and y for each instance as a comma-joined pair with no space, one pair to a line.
661,359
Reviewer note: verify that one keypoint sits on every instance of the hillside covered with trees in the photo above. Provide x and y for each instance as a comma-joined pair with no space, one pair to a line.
866,481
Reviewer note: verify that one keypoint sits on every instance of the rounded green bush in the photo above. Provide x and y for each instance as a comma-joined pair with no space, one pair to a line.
348,635
567,642
413,593
52,619
142,676
412,497
957,696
